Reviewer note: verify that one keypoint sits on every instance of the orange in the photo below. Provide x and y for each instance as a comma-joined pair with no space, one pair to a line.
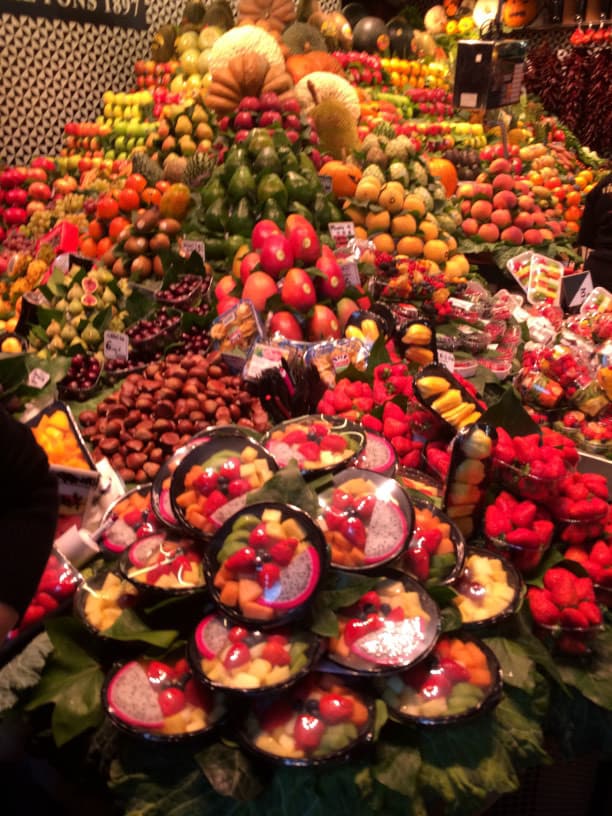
573,198
384,242
344,177
104,244
116,226
403,225
128,199
150,197
107,208
410,245
429,230
435,250
414,204
377,221
572,214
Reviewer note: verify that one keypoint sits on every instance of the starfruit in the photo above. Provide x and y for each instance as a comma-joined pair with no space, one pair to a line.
417,333
448,401
455,415
432,385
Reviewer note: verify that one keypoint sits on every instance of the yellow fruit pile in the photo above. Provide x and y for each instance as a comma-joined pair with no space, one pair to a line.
55,436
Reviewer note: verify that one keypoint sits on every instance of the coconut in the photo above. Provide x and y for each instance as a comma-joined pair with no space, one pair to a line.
132,699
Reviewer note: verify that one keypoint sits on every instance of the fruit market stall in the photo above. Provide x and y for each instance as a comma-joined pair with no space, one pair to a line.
335,513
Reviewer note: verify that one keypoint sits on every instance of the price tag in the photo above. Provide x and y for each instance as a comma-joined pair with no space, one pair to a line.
62,262
447,359
188,246
116,345
350,272
262,357
37,378
326,183
576,289
341,231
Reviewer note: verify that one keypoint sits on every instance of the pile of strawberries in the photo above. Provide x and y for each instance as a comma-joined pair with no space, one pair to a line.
522,525
527,466
596,560
582,497
566,601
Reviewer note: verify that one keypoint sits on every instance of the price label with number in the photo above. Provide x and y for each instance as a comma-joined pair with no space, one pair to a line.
341,231
116,345
447,359
350,273
37,378
188,246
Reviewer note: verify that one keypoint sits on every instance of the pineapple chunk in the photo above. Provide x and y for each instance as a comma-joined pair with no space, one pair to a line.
278,674
248,470
274,529
271,515
245,680
248,454
260,668
292,529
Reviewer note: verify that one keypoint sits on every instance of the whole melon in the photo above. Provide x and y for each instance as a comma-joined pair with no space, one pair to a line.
400,37
371,35
354,12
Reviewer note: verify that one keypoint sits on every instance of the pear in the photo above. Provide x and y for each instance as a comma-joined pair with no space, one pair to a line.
183,126
187,145
103,275
199,114
43,354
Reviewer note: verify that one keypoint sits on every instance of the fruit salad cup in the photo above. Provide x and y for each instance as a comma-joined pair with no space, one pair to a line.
265,564
320,720
251,661
127,519
488,589
164,562
389,628
366,519
460,678
160,701
100,600
378,455
437,547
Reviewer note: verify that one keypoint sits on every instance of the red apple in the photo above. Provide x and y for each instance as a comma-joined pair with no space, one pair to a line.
333,284
304,241
286,324
262,231
298,290
249,263
276,255
323,324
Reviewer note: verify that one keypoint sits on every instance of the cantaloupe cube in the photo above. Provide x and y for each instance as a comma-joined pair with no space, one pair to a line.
360,713
480,677
257,611
248,591
339,647
222,576
265,742
293,529
216,672
196,720
229,593
287,745
257,650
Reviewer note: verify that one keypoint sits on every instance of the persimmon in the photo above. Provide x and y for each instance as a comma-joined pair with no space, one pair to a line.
151,197
136,181
128,199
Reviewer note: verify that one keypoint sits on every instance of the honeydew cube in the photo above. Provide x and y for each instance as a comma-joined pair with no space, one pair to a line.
208,664
434,708
271,515
245,680
260,667
278,674
248,470
393,588
327,457
249,454
292,529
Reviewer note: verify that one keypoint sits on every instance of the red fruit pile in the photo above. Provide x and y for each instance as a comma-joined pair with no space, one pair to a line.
58,582
597,561
518,523
525,465
566,600
582,497
563,444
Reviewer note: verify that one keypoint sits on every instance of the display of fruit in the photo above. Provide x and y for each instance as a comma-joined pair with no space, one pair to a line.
320,718
487,588
436,549
389,627
81,379
466,160
235,657
315,442
139,244
183,129
153,75
105,598
457,679
160,699
267,563
163,562
519,530
154,332
446,397
527,467
126,124
365,522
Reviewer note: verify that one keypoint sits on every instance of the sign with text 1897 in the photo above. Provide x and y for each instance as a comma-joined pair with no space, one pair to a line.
119,13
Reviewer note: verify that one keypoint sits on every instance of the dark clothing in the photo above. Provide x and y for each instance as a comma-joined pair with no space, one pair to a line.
596,232
28,512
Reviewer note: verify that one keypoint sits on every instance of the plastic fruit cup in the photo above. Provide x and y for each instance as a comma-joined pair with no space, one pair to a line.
526,485
565,640
525,559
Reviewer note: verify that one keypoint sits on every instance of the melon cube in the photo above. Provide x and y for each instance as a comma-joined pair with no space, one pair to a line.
249,454
245,680
327,457
286,744
274,529
265,742
216,672
248,470
278,674
292,529
260,667
269,514
196,720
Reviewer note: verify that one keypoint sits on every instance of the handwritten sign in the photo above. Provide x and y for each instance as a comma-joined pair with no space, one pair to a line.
341,232
118,13
116,345
37,378
188,246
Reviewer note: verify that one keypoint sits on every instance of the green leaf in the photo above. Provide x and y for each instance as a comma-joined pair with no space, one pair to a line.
521,631
229,772
23,672
517,667
380,717
509,414
397,767
129,626
551,559
593,678
72,680
346,588
450,618
520,733
287,486
324,621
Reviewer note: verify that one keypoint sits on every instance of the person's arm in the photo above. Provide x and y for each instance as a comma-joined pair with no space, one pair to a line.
28,518
587,233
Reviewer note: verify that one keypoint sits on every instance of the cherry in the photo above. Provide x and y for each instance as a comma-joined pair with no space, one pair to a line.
171,701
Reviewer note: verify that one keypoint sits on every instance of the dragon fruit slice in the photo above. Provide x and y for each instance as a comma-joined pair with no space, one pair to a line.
144,549
119,536
211,637
378,455
165,507
298,581
131,698
396,643
386,534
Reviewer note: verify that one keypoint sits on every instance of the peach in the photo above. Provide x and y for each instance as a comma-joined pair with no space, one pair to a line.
522,187
465,190
503,181
533,236
504,200
464,207
481,210
539,219
524,220
512,235
501,218
554,227
470,226
484,189
526,203
547,234
488,232
500,166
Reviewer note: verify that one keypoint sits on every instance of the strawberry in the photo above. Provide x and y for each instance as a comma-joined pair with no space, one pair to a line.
297,436
597,484
335,708
48,602
544,530
283,551
365,506
456,672
575,490
589,508
601,553
309,450
543,610
525,446
412,459
417,562
308,731
393,411
268,575
237,655
276,654
354,530
561,583
554,467
439,460
573,618
370,598
506,502
522,537
214,501
401,444
396,615
584,589
591,612
394,427
372,423
333,442
259,537
241,561
575,553
570,644
430,539
342,402
363,404
496,522
523,514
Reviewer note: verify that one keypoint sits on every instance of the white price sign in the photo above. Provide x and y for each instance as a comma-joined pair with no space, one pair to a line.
341,231
350,272
37,378
116,345
188,246
447,359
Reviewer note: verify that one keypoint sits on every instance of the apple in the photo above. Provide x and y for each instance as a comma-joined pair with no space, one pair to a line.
276,255
345,308
262,231
259,287
225,286
323,324
286,324
333,284
248,264
298,290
